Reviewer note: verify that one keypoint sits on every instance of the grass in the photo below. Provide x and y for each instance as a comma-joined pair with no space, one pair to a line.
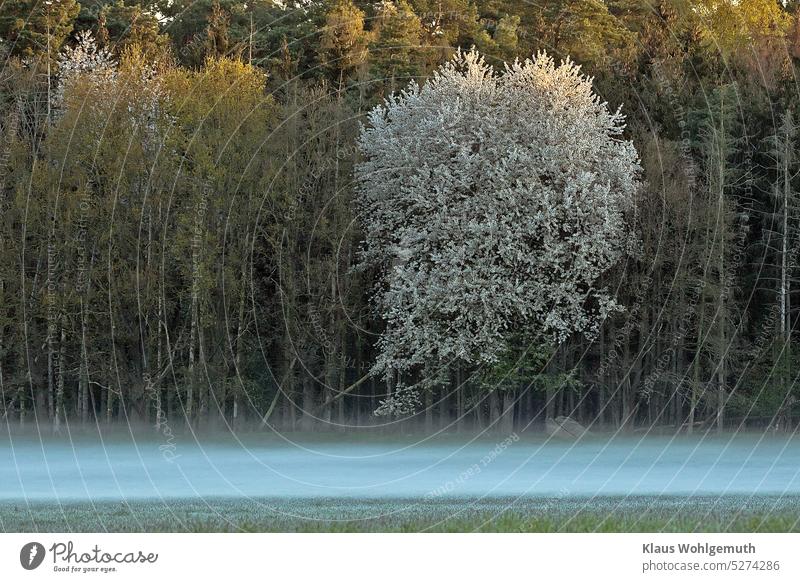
608,514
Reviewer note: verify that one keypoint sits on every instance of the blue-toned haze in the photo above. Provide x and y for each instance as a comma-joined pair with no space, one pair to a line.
128,469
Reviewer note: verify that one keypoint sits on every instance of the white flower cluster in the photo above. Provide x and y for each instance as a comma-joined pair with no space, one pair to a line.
404,401
138,88
83,58
492,203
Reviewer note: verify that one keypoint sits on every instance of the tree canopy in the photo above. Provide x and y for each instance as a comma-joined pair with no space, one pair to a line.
493,204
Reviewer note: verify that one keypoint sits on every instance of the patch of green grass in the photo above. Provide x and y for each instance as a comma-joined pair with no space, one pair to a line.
608,514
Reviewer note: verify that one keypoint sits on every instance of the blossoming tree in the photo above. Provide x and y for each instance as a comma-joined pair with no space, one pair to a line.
492,202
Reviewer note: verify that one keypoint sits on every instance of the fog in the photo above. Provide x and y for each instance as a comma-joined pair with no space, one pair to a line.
105,468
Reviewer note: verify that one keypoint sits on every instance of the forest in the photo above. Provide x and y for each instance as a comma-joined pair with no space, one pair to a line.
186,231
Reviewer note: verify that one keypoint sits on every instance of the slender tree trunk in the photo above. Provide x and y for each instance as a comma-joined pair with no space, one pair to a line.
494,408
443,413
109,397
21,388
59,404
3,403
460,398
203,388
785,296
723,291
723,349
191,372
507,397
239,341
51,363
307,421
83,376
697,363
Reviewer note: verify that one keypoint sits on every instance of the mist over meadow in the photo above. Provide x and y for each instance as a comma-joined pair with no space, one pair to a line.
129,469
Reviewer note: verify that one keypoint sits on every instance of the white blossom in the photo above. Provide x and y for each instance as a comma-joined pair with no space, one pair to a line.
404,401
85,58
139,89
492,202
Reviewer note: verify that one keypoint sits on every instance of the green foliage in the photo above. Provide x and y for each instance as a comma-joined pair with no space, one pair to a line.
398,43
343,42
34,28
528,365
122,26
506,36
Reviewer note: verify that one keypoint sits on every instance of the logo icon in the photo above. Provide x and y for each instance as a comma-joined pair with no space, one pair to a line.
31,555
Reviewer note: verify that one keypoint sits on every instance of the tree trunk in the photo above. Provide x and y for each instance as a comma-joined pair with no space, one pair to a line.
83,375
189,410
59,404
237,360
3,403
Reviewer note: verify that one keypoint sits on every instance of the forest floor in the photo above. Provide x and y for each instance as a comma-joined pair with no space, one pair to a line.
600,514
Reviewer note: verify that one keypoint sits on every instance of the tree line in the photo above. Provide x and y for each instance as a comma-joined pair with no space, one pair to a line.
180,235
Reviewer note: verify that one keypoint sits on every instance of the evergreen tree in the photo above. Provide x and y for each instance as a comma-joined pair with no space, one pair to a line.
343,41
